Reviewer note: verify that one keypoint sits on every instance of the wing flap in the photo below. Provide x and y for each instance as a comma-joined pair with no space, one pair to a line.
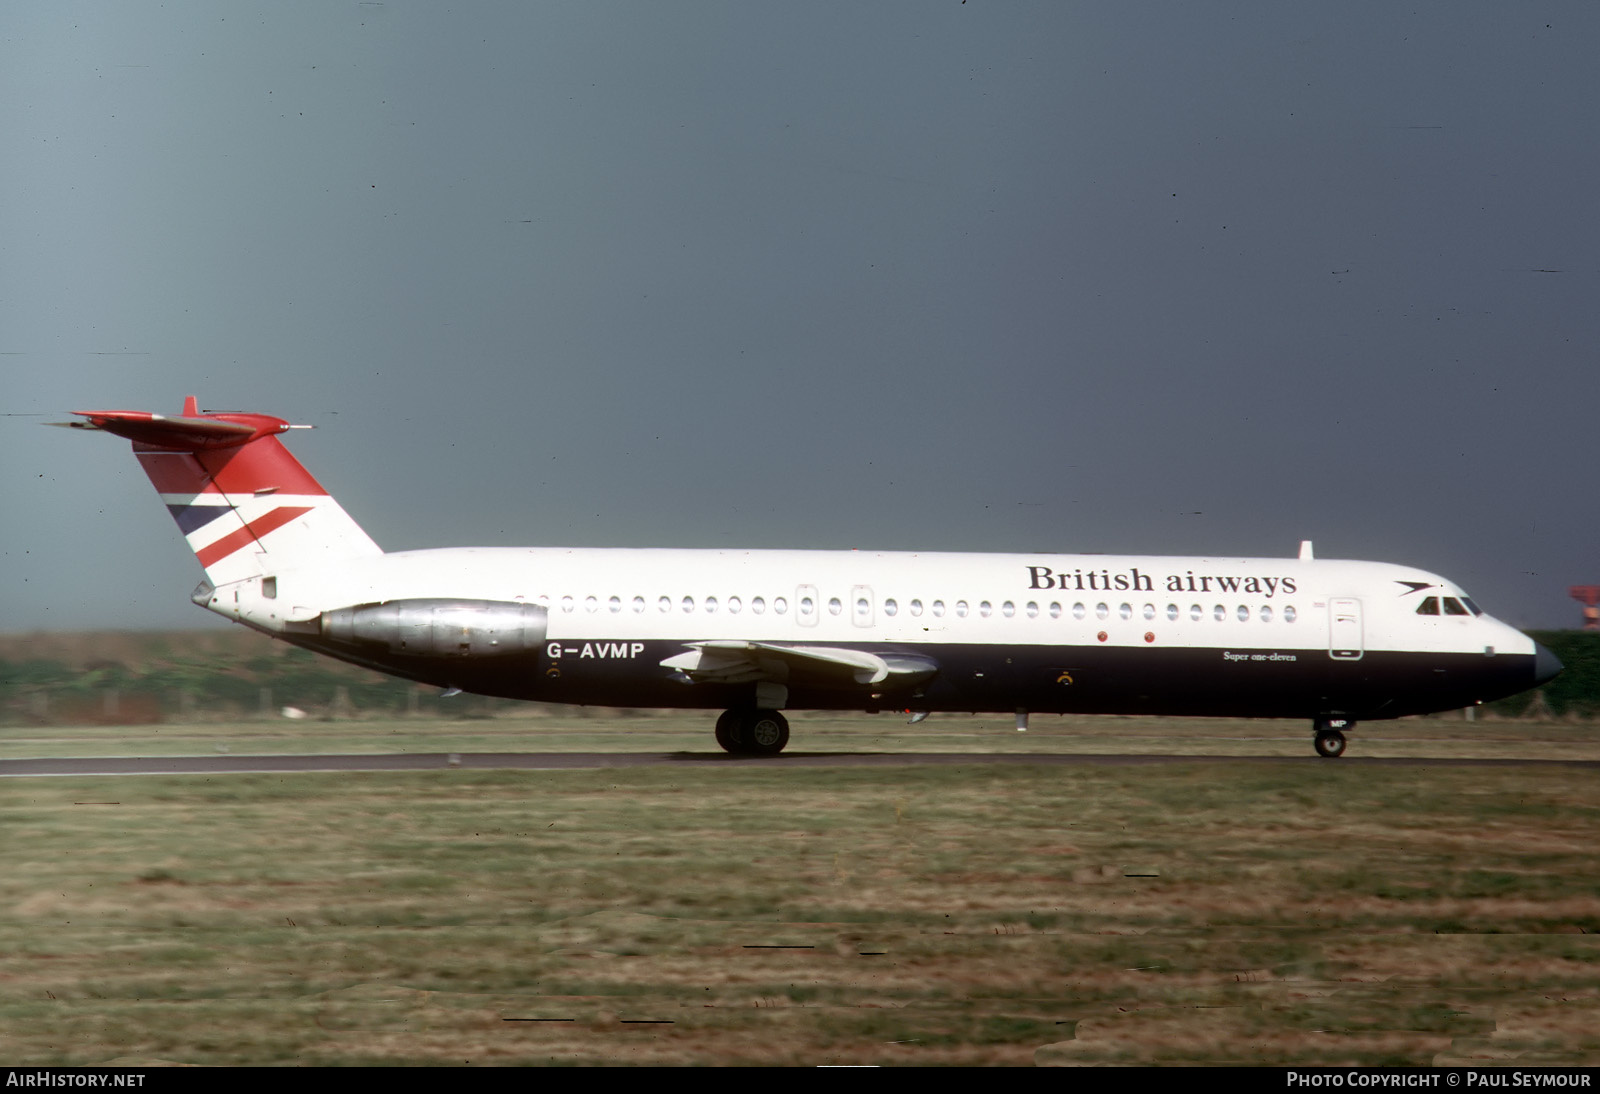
736,662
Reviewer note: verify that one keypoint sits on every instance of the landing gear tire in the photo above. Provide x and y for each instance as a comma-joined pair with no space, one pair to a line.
763,733
1329,729
728,731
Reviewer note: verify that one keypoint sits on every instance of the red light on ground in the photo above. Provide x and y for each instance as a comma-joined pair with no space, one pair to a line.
1589,597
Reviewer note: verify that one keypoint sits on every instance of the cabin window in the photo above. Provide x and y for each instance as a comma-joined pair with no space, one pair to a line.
1429,606
1101,611
1172,612
938,608
665,603
1196,611
758,604
834,607
985,609
688,603
711,604
566,603
1079,611
863,609
734,605
806,605
961,609
1125,611
1149,611
1288,613
1032,609
1055,610
615,603
916,607
1220,612
1243,613
780,605
1266,613
1452,606
638,604
890,607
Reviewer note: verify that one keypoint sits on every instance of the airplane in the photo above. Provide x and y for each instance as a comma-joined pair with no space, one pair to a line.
755,632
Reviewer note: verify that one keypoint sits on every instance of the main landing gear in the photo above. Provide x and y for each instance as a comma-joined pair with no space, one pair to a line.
746,732
1330,736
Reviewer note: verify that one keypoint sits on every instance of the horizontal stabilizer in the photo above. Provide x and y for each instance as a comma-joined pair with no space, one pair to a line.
182,434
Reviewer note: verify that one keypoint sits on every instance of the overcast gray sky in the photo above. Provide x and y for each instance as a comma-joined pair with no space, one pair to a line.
1148,277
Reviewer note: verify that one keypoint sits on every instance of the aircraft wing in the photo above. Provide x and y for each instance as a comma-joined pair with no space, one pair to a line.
735,662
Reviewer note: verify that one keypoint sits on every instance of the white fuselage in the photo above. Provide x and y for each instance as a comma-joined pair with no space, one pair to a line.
854,597
871,630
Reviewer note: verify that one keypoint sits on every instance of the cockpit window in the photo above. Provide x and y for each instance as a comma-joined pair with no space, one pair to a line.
1467,600
1430,606
1452,606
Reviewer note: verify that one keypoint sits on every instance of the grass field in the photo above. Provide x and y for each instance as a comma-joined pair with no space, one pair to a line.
595,730
1316,913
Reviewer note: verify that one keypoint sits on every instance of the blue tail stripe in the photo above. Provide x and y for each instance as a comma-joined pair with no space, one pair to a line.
192,517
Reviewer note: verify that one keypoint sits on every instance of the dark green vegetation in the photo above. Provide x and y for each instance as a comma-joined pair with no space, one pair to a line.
1324,913
1577,690
136,678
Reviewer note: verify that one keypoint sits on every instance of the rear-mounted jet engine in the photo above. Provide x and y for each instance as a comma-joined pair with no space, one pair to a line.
440,628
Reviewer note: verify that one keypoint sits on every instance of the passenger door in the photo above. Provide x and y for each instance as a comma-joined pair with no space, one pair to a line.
1344,629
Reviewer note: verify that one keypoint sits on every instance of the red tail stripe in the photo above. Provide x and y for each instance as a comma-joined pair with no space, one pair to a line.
174,472
261,464
251,532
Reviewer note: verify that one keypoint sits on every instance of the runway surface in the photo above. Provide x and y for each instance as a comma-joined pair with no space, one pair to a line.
554,761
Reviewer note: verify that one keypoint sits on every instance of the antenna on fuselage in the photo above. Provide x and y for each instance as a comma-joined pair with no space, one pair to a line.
1305,551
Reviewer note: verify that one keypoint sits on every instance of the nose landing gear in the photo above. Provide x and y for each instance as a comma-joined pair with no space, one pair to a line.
1330,736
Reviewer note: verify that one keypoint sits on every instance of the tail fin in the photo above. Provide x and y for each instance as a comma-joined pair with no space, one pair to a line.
245,505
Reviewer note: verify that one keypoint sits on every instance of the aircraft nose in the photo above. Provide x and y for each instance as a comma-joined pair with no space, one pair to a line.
1546,666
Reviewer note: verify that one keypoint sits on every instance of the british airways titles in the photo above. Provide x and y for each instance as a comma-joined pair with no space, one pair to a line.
1132,580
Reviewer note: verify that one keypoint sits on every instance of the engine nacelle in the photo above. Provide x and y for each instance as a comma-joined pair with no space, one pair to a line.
441,628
